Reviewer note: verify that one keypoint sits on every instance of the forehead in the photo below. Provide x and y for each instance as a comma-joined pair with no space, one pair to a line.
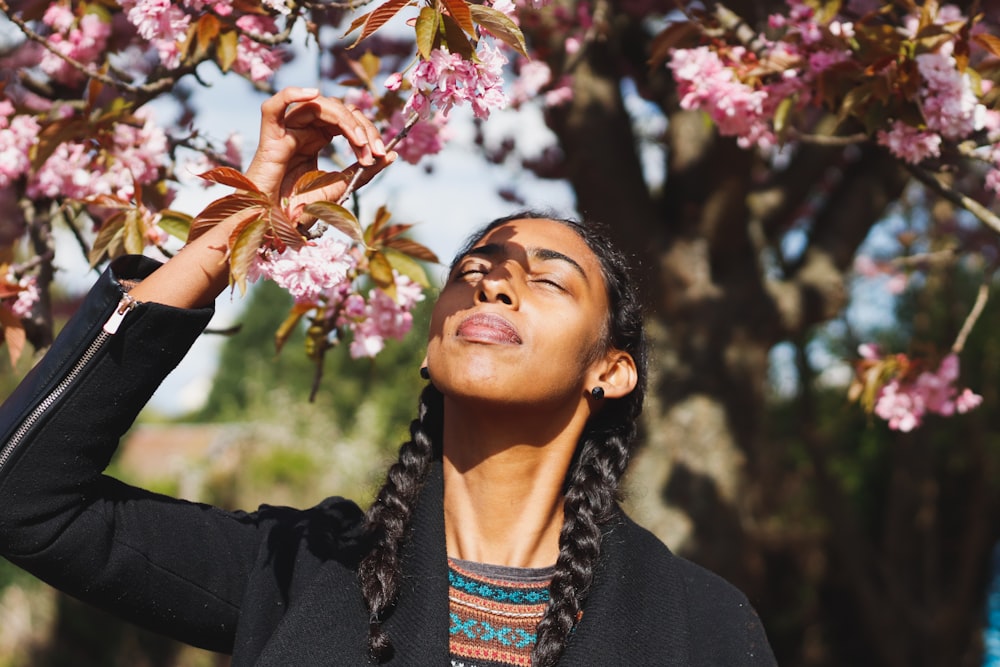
530,236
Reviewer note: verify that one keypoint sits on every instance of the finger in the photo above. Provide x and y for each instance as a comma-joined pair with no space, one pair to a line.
372,135
274,109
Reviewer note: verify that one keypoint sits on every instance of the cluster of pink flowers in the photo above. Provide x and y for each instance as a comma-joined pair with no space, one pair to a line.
706,82
740,90
447,79
165,25
27,295
904,403
133,156
82,40
322,273
379,318
311,274
17,135
253,59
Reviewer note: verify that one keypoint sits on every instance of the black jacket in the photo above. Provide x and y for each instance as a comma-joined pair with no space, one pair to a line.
278,586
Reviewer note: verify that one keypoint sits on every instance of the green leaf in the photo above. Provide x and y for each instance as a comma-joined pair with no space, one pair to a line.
500,26
134,233
426,31
111,227
407,266
244,243
381,273
337,217
226,49
175,223
288,326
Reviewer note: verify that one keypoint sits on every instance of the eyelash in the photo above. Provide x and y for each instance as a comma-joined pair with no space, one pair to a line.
462,274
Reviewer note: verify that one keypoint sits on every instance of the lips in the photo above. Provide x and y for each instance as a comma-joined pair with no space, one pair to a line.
488,328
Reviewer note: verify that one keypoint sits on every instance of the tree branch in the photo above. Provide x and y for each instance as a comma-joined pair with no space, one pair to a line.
985,215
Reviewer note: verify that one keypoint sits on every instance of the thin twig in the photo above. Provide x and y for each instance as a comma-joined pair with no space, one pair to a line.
986,216
982,296
827,139
356,178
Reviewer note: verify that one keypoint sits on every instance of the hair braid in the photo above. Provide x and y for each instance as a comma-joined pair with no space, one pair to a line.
590,500
388,519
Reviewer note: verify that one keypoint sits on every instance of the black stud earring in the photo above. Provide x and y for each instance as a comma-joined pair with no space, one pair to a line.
424,373
597,393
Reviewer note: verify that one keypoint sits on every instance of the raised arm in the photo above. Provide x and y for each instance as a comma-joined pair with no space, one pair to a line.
296,124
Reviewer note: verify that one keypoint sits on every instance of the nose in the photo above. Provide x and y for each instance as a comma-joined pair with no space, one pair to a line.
498,286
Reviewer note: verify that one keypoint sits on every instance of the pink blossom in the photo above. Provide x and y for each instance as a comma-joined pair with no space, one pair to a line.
394,81
447,79
254,59
26,298
534,75
59,17
310,273
381,318
706,83
949,103
233,151
870,351
904,404
16,139
507,7
83,43
908,143
162,23
426,137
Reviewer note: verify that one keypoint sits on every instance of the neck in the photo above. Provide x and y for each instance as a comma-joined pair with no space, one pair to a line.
503,478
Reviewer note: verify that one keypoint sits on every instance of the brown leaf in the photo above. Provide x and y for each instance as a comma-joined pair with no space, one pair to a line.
679,33
223,209
13,334
989,42
288,326
459,10
373,230
231,177
284,230
455,38
378,17
413,249
314,180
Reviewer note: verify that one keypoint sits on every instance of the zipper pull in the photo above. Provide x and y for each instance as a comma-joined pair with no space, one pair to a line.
124,307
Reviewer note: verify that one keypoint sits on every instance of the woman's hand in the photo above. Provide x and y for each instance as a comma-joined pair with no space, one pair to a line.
296,124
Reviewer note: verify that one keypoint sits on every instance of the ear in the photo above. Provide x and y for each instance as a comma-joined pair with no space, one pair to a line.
616,374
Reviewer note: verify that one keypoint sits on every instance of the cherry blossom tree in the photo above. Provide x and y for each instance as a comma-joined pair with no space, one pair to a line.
742,151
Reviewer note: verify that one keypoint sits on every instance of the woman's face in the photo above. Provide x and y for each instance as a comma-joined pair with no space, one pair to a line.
521,318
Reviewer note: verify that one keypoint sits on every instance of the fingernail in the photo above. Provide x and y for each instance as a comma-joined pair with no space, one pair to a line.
310,91
379,146
360,134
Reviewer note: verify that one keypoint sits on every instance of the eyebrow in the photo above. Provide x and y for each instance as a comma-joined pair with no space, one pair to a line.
492,250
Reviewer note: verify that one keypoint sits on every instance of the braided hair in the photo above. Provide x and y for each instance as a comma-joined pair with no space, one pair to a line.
592,482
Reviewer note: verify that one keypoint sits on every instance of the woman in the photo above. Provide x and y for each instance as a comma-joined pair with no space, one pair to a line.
496,539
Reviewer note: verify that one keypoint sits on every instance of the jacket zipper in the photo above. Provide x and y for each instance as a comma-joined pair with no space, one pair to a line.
109,329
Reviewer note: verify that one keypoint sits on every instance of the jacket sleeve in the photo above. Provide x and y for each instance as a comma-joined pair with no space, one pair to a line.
176,567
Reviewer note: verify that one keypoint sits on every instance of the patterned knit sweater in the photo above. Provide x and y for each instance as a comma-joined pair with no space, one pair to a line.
494,611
